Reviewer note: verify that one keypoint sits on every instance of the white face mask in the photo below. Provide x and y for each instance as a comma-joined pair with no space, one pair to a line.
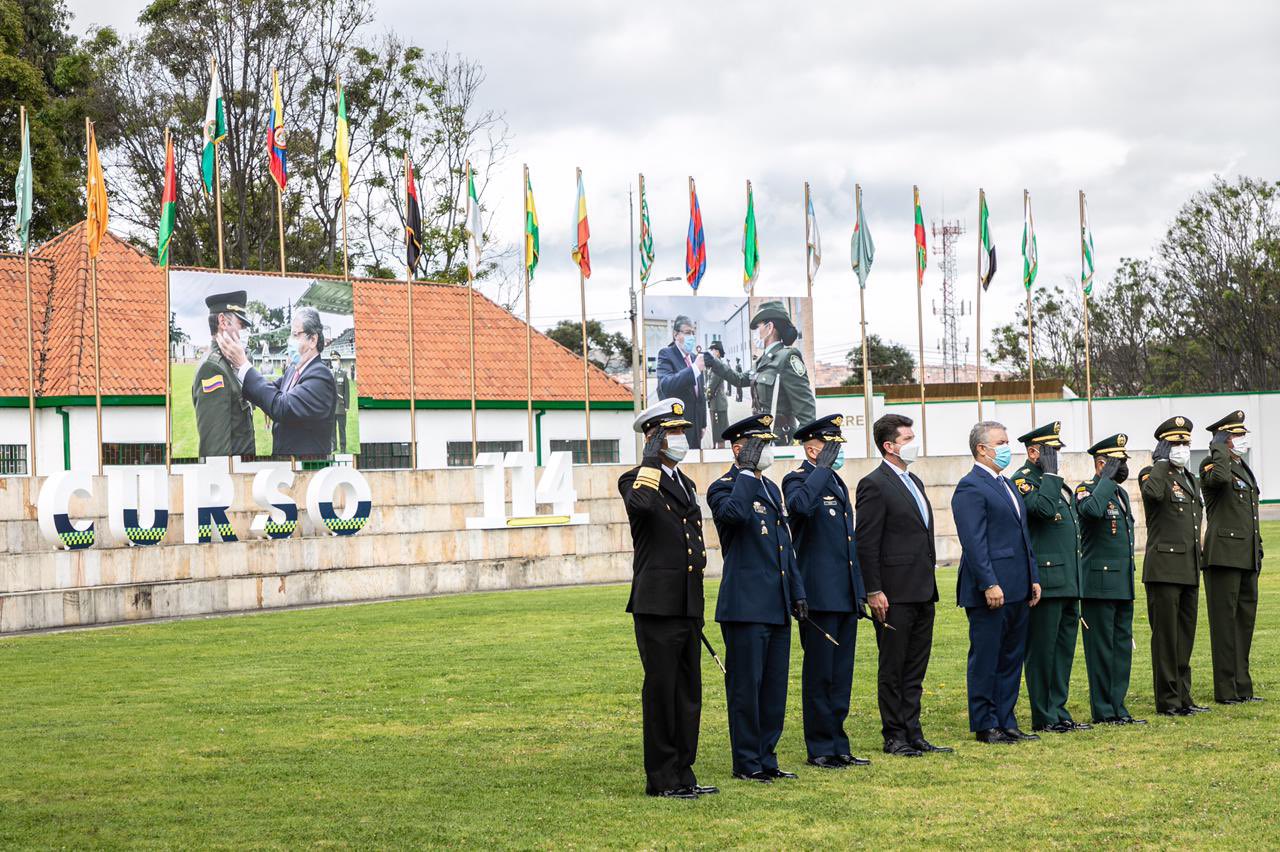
1240,443
766,457
677,447
909,452
1180,454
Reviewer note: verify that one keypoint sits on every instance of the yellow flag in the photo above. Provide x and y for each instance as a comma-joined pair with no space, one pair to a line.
95,198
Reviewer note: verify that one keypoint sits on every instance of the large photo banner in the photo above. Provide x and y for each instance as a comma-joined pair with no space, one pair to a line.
262,366
766,369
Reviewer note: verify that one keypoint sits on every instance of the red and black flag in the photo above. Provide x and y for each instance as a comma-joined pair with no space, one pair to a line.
412,220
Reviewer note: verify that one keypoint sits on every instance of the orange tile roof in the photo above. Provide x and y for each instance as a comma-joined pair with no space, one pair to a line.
13,321
442,360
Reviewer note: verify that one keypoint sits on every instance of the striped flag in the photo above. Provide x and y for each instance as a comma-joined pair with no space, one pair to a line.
750,245
95,198
646,238
814,248
922,256
168,204
987,253
862,248
475,230
215,128
531,245
412,220
695,247
276,159
342,143
1086,249
581,232
22,188
1030,257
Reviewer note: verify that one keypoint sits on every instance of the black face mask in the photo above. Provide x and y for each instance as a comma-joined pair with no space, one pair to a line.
1122,472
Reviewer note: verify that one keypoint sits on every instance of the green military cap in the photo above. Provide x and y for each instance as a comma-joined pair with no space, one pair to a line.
1047,435
234,302
1233,423
1112,447
755,426
1175,430
823,429
667,413
772,311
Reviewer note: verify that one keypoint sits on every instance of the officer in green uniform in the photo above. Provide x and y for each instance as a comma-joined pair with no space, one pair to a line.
224,420
717,398
1171,568
779,382
1106,581
341,402
1232,557
1055,540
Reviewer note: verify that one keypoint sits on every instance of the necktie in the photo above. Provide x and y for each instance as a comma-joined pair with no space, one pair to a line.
915,492
1017,510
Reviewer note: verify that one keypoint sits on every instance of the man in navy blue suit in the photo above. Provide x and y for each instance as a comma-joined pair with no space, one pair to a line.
996,585
300,403
680,374
759,592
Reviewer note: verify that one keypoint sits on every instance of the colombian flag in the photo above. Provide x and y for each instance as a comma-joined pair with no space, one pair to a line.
276,134
581,232
695,250
922,256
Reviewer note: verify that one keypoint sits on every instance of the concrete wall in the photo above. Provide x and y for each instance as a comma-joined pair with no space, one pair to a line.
415,544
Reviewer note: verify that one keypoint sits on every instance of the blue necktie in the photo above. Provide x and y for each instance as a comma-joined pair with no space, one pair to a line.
915,492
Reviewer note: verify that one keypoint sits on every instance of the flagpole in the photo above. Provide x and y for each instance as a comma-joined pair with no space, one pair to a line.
1088,378
586,373
346,269
924,428
751,286
31,369
413,385
280,220
168,376
217,180
978,308
528,317
471,319
637,400
808,281
1031,353
644,348
862,312
97,352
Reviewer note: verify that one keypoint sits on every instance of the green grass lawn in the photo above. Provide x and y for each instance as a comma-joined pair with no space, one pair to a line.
513,720
186,443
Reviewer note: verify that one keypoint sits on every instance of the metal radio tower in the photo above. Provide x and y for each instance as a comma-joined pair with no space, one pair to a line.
944,243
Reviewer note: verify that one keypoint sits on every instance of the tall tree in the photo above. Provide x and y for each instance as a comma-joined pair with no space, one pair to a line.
609,352
890,363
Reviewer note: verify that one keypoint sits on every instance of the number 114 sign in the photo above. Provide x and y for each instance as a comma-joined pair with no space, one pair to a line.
555,487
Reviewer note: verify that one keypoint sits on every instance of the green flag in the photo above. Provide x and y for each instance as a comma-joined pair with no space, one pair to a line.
863,248
22,188
750,245
1030,257
1086,249
215,129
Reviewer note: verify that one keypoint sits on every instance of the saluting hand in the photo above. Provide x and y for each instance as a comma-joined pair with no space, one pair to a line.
1111,469
1220,437
749,455
827,455
1048,459
1161,452
651,455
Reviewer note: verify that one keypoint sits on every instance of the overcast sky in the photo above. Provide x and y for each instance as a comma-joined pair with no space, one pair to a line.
1137,103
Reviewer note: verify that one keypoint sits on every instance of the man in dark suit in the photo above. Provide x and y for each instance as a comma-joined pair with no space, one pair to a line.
680,370
821,519
997,583
666,600
760,591
894,537
300,403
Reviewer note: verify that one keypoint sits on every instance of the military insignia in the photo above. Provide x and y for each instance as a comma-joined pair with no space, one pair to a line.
839,421
759,507
1081,494
1121,440
797,366
1145,477
211,384
1180,421
1023,486
677,408
832,511
1057,427
766,420
1057,517
1208,467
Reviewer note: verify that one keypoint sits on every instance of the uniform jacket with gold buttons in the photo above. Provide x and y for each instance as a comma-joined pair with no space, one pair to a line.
1106,533
666,537
1173,508
1232,537
760,578
1055,530
821,520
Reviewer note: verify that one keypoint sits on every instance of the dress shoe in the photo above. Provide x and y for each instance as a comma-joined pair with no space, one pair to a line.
1251,698
1198,708
898,748
1018,734
850,760
925,747
705,791
1229,700
759,777
825,762
778,773
1129,720
1178,711
1078,726
994,736
1056,728
676,793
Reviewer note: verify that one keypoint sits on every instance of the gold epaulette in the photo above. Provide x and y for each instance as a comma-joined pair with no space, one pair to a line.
647,477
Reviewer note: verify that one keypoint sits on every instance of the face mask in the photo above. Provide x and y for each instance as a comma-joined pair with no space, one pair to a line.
687,345
1180,455
1004,455
677,448
839,462
292,349
756,341
909,452
766,457
1240,443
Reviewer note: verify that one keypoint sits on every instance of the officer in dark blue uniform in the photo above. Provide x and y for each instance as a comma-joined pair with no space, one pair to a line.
760,590
821,521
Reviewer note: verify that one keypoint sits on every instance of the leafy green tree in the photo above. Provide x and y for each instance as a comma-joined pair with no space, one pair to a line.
890,363
610,352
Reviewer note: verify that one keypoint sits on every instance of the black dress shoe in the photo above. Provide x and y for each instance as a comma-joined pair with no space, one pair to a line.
850,760
1078,726
1251,698
1056,728
1018,734
1178,711
1129,720
994,736
1198,708
825,762
778,773
925,747
760,777
705,791
898,748
1229,700
676,793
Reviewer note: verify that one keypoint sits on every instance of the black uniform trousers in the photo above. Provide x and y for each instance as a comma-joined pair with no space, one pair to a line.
1053,625
671,698
826,680
904,659
756,659
1232,598
1171,611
